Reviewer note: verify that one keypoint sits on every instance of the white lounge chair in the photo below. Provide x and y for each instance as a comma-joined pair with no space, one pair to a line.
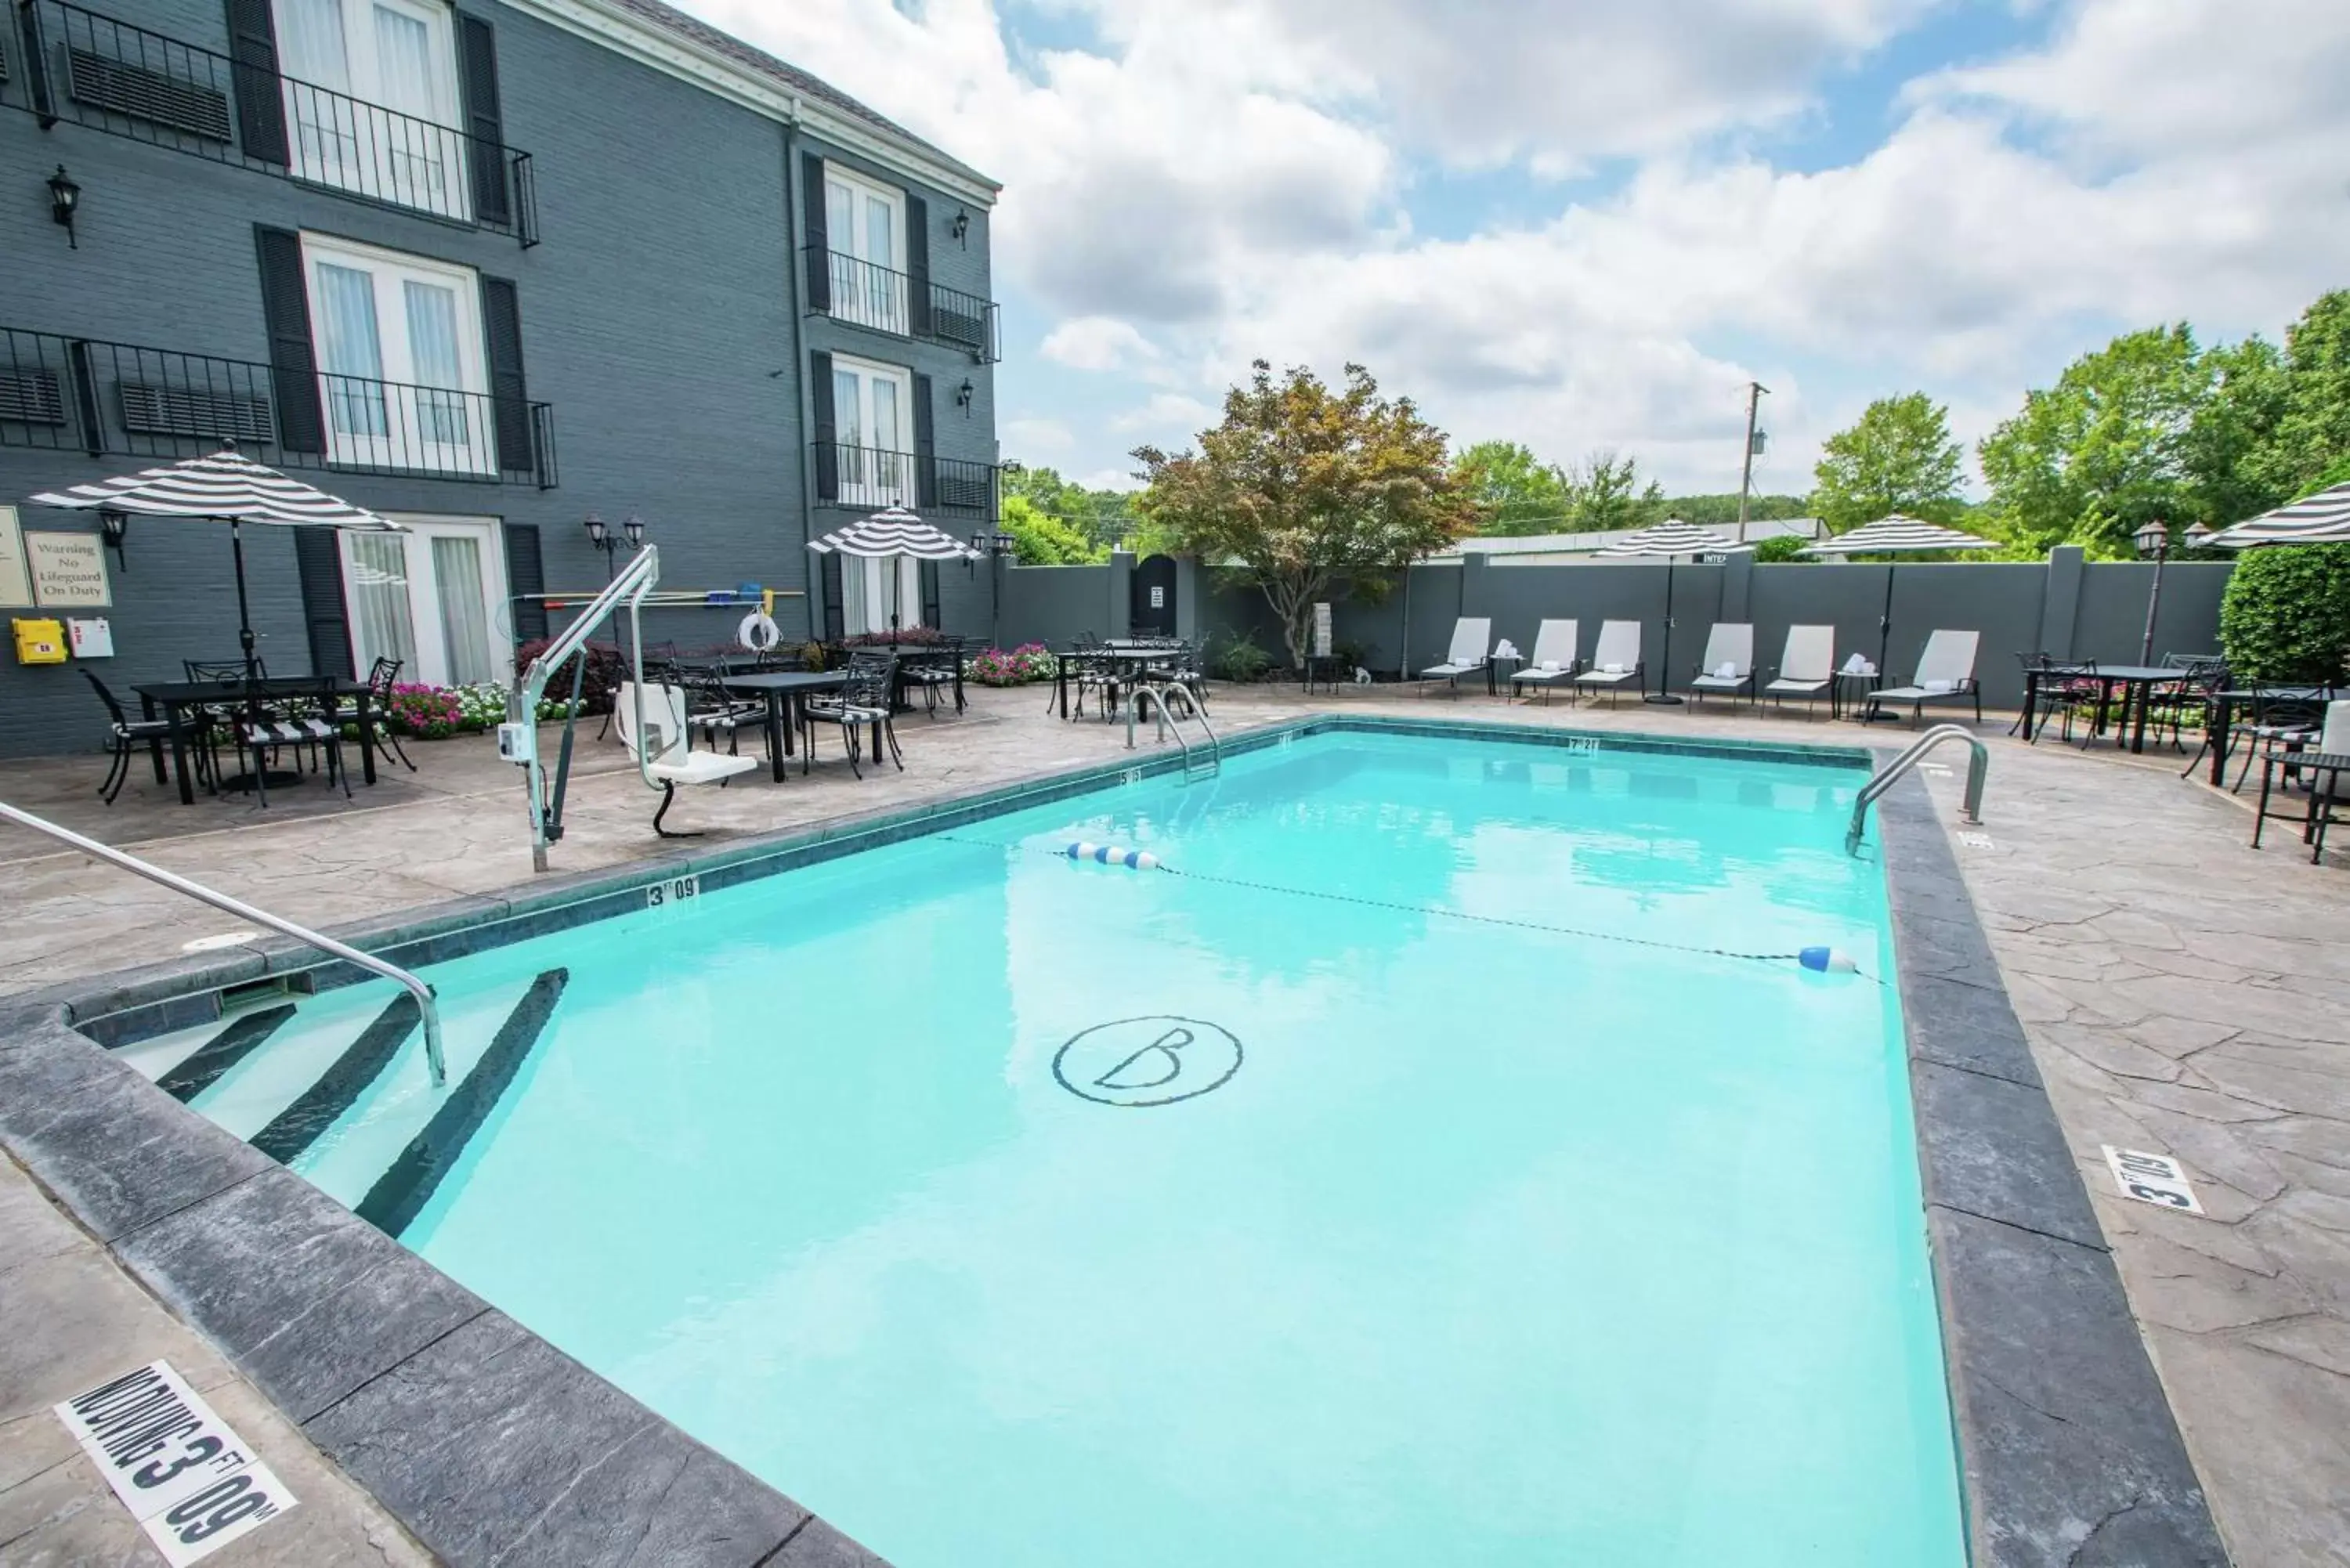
1946,674
1729,661
1473,641
1617,660
1554,659
1807,668
667,757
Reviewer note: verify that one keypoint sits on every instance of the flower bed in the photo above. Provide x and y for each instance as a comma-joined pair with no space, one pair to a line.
436,712
1029,661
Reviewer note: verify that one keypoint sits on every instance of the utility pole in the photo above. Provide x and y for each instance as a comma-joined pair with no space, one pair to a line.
1755,392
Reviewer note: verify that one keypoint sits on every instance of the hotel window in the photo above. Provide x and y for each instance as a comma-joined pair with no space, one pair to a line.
402,373
371,101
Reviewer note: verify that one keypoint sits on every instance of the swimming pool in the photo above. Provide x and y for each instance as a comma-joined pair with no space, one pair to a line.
1443,1158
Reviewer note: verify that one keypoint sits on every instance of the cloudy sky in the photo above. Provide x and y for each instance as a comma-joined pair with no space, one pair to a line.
1588,224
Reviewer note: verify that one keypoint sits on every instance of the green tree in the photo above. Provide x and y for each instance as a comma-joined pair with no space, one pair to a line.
2244,392
2312,433
2286,613
2094,458
1721,511
1100,515
1309,493
1041,539
1780,549
1604,491
1896,457
1519,494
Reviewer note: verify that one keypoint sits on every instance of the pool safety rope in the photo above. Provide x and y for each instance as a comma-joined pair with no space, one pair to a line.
1819,960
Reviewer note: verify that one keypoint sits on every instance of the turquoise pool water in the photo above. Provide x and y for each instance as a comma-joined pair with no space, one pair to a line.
1335,1197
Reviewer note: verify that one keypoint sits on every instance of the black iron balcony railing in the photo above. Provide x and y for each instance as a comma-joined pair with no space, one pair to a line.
850,289
125,80
868,479
78,394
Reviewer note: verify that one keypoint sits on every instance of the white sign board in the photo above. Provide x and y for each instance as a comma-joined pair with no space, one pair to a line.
674,892
69,571
192,1484
16,582
1157,596
1320,631
2151,1178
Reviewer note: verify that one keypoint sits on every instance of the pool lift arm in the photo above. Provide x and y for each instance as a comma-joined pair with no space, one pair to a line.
518,736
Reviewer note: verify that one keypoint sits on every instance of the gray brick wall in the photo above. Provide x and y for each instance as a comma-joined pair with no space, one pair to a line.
657,318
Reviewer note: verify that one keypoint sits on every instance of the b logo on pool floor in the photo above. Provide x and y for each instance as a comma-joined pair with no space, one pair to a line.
1140,1062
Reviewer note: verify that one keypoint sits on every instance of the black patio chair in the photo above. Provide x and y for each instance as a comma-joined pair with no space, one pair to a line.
712,709
2200,678
125,736
381,678
303,719
929,672
2276,723
861,703
2064,694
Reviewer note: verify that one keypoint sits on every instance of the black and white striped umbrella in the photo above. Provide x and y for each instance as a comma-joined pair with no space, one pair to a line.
2320,519
225,487
1898,534
1673,538
896,531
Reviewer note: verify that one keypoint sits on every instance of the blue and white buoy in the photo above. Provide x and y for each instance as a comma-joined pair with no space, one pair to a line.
1828,960
1113,854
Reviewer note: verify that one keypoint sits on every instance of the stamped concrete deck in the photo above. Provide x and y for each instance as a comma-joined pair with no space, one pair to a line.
2182,993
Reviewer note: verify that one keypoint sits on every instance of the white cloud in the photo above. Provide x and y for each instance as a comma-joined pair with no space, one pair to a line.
1036,436
1225,182
1096,343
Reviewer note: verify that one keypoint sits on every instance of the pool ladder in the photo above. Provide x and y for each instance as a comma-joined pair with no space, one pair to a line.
1206,762
1977,766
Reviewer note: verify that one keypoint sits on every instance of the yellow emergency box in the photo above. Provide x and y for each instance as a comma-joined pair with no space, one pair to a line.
40,641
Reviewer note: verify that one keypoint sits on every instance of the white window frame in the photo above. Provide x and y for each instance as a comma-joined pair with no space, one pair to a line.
871,474
865,290
415,421
347,135
430,663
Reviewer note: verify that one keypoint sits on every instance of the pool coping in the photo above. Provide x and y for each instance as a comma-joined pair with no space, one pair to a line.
488,1443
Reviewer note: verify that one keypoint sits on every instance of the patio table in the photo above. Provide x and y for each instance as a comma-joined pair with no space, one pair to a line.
179,701
785,693
2136,681
1126,657
2223,719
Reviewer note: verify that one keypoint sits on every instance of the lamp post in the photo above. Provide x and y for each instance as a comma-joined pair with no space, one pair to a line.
601,537
994,543
65,199
2154,539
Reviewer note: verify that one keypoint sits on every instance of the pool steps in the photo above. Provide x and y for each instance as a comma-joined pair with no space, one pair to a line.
336,1088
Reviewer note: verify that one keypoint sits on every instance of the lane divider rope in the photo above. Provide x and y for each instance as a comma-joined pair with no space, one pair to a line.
1324,895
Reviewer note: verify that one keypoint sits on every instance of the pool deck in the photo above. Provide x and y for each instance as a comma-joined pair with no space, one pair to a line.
2180,991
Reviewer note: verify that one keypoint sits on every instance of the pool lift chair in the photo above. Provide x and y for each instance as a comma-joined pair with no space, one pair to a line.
656,732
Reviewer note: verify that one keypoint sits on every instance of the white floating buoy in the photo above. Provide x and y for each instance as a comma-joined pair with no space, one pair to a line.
1828,960
1113,854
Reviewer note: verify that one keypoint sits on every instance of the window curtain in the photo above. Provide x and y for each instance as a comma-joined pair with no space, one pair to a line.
856,595
350,347
909,605
379,598
464,607
417,149
403,64
311,43
432,345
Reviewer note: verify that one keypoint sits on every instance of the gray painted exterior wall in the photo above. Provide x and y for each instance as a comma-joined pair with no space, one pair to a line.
2063,607
659,318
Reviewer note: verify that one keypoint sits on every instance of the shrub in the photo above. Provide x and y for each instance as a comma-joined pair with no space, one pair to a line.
1783,550
1029,661
1035,661
2286,615
1241,660
607,666
904,636
437,712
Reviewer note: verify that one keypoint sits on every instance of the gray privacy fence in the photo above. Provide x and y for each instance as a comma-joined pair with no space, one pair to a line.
2065,607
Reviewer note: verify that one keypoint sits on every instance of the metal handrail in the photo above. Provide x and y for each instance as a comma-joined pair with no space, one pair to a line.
631,584
1978,766
1156,692
425,1006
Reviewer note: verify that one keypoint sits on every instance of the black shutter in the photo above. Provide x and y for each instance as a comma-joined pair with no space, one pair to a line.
293,364
926,461
509,394
525,580
835,626
260,104
477,79
918,264
318,563
931,617
827,427
819,246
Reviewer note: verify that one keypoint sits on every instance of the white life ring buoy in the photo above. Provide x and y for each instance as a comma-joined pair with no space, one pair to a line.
758,632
